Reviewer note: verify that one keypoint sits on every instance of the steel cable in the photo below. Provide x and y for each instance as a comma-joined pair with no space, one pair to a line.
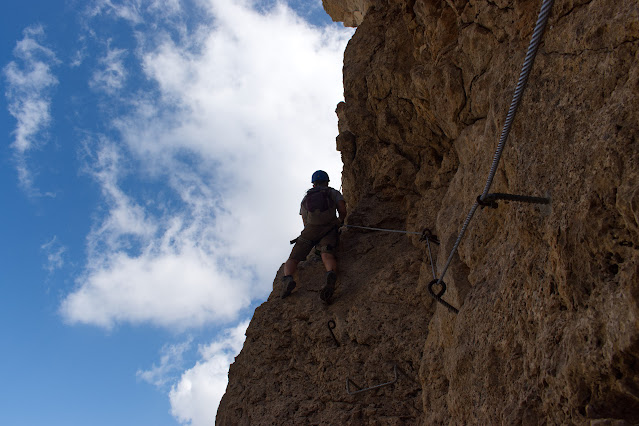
399,231
540,26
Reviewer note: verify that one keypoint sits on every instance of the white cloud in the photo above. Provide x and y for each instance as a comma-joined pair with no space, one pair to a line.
170,271
258,98
165,8
176,288
171,361
136,12
126,219
202,185
29,83
128,10
55,254
243,116
112,75
195,399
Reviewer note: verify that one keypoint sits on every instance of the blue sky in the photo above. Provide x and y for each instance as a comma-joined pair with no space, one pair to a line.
153,160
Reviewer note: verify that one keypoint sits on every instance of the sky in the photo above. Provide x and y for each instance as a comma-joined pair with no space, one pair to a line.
154,156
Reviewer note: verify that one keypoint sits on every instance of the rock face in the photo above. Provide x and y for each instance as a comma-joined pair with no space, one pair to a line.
548,327
350,12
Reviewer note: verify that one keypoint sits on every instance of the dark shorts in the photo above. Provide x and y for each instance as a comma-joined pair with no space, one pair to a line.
312,236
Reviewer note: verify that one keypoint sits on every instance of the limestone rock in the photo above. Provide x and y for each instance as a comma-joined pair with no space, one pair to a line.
350,12
548,323
292,371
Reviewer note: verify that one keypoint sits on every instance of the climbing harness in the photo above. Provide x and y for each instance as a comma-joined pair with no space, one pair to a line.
359,388
317,240
486,199
331,327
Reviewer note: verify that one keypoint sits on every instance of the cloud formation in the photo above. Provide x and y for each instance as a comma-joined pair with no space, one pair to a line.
112,74
242,116
29,83
171,362
201,182
168,270
127,10
195,398
55,254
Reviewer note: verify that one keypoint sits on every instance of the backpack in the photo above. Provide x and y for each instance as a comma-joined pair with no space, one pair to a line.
320,205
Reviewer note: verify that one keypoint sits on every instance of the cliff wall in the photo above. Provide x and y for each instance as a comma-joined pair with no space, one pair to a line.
547,329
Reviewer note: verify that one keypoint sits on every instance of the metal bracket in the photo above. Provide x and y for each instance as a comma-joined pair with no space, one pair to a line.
359,388
490,200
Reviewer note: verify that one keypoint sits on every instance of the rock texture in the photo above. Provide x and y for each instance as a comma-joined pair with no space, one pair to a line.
350,12
548,326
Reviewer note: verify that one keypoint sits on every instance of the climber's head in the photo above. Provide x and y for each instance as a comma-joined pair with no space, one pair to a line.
320,178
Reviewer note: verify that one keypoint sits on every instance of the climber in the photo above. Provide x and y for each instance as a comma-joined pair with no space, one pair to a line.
321,226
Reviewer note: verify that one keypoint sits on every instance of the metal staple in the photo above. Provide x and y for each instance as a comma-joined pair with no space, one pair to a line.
359,388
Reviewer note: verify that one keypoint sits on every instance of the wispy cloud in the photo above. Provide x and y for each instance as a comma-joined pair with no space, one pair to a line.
136,12
202,183
126,222
244,113
170,366
167,270
195,399
112,74
129,10
54,252
28,90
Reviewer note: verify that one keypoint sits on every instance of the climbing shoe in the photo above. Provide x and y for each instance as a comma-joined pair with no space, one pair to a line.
326,293
289,285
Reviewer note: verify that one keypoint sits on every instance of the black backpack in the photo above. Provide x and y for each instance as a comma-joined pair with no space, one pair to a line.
318,198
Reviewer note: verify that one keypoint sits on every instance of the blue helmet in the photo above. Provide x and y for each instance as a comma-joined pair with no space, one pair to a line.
319,176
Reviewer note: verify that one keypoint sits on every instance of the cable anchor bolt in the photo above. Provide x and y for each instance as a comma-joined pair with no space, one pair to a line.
331,327
427,235
438,296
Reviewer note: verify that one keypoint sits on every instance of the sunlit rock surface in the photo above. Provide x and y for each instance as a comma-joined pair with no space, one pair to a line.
547,330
